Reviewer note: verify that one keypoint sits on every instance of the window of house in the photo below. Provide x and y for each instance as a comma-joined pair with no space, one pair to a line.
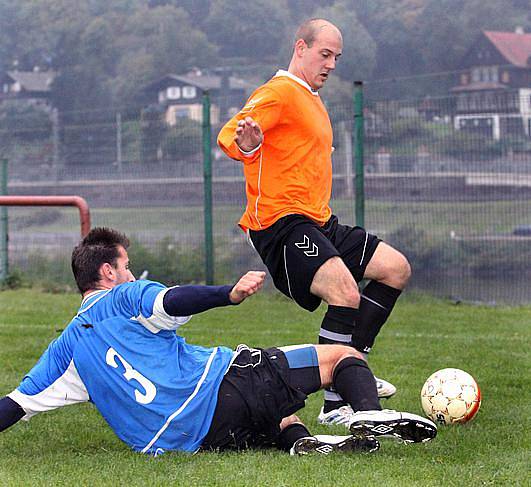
494,74
513,100
464,79
162,96
174,92
505,77
189,92
476,75
490,101
5,88
183,112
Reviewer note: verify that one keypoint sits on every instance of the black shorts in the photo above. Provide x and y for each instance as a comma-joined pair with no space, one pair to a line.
261,388
294,247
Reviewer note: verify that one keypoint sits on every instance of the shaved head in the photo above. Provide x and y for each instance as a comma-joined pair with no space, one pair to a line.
318,45
310,29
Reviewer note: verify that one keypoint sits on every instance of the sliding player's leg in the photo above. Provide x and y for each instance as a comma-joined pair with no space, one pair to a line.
295,438
346,369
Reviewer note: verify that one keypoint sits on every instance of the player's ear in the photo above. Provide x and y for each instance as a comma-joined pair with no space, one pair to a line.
107,271
300,46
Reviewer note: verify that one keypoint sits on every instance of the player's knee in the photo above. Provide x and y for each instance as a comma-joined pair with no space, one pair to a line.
403,271
289,420
345,352
398,272
352,352
350,296
345,293
347,357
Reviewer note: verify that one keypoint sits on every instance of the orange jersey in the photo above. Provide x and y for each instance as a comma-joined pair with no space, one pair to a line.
291,172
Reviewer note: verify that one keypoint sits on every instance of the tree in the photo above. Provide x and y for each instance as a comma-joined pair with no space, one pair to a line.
390,23
153,43
359,49
25,121
253,30
9,32
444,37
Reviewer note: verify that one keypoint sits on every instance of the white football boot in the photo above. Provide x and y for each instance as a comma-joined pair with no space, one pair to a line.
385,389
406,427
342,416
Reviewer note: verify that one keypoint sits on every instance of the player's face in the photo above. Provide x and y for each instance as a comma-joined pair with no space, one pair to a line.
123,273
319,60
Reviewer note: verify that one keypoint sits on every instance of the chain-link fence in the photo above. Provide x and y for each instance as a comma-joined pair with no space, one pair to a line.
447,181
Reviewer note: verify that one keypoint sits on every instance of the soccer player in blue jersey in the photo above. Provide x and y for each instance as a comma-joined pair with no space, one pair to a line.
122,353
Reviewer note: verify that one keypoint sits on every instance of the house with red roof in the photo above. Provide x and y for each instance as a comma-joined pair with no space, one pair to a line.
493,94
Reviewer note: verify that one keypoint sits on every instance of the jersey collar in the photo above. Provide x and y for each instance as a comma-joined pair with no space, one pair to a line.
91,298
283,72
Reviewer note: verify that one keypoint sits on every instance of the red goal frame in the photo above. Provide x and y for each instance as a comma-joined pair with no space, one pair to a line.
77,201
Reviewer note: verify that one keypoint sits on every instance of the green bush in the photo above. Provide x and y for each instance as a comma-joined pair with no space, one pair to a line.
14,280
423,253
39,217
468,146
24,121
182,140
407,129
167,262
492,259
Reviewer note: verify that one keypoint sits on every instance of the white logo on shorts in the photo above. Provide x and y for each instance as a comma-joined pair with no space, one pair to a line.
310,249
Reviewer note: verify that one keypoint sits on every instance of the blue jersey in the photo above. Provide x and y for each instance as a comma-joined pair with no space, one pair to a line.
121,352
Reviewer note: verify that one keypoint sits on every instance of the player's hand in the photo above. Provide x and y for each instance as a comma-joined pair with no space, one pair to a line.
248,284
248,134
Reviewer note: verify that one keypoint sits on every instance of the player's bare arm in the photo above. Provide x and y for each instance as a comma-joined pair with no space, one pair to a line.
248,134
249,284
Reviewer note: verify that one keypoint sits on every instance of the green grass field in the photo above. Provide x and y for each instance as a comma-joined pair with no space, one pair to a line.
73,446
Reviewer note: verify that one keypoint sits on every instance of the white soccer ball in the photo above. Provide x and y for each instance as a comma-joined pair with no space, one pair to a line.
450,396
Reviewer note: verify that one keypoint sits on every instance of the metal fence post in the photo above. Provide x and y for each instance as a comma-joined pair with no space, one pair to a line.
207,184
4,257
358,153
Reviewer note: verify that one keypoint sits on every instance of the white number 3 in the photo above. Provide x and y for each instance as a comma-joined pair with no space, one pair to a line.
132,374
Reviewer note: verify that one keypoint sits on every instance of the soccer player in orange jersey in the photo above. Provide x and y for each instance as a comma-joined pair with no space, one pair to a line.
283,137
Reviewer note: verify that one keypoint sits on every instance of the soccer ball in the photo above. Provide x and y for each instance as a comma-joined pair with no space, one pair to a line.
450,396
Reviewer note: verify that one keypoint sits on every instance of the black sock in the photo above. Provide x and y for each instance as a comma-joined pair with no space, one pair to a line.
10,413
290,434
336,328
377,302
354,381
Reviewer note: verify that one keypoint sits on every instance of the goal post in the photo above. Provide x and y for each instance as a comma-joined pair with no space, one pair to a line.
5,201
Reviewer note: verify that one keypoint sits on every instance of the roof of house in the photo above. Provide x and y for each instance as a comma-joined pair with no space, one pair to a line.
33,80
202,81
513,46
